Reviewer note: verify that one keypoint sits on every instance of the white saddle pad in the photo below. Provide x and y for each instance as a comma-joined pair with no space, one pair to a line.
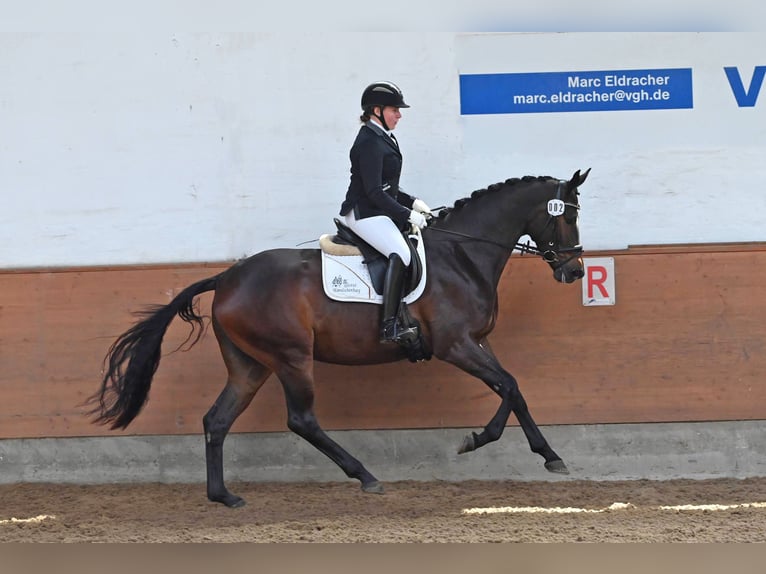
346,278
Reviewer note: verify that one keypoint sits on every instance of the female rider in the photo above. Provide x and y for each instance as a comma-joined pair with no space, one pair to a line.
375,208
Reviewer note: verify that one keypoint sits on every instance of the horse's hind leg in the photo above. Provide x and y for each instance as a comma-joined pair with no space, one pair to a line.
299,393
246,376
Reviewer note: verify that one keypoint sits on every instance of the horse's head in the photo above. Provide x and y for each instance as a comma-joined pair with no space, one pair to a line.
555,229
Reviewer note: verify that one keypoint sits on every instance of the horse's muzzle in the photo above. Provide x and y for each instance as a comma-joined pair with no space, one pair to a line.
570,272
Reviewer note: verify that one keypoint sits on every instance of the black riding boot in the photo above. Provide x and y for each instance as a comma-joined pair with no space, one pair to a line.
392,329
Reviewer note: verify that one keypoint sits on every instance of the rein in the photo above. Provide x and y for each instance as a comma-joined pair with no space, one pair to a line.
522,247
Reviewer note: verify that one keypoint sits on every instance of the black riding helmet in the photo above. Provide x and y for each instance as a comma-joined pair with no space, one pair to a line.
382,94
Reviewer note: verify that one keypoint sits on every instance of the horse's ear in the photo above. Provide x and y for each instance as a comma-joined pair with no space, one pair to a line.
578,179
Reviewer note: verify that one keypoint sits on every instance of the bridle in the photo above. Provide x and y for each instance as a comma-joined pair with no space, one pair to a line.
557,210
553,255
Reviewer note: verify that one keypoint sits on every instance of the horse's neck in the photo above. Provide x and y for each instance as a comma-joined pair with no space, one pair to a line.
494,237
488,261
476,250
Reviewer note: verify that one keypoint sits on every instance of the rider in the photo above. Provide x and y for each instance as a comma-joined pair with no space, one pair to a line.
375,208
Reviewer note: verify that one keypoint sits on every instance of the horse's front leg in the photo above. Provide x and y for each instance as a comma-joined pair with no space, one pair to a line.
478,360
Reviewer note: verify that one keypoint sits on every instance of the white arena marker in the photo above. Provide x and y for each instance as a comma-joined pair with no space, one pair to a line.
552,510
614,506
34,519
714,506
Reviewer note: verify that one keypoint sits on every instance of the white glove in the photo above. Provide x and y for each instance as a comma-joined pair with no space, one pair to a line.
420,206
417,219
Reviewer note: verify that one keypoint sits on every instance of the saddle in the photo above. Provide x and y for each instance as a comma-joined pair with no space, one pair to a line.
354,271
346,243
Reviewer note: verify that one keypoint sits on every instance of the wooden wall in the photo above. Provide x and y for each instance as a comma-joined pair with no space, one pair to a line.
685,342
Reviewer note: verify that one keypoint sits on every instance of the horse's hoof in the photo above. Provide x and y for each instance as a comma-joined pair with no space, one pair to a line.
468,445
237,503
230,500
373,487
557,466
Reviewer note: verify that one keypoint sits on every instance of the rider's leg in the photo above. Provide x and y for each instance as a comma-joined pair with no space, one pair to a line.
381,233
391,329
385,237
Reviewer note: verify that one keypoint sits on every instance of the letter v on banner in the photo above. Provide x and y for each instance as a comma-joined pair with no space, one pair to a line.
745,98
598,283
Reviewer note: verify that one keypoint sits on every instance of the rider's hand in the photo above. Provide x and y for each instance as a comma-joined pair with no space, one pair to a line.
417,219
420,206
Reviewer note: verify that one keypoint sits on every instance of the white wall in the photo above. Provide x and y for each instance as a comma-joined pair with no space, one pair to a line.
144,148
659,176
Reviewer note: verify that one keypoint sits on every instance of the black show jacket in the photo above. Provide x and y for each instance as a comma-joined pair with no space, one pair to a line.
376,165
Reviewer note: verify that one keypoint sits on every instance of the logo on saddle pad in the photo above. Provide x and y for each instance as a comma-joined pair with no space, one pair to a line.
346,277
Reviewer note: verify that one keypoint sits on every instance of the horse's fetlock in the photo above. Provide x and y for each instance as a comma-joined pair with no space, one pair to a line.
301,425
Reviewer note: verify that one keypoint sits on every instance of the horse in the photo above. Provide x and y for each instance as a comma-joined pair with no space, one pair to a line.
270,315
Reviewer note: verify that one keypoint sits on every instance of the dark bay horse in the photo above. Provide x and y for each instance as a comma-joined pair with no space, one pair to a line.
270,315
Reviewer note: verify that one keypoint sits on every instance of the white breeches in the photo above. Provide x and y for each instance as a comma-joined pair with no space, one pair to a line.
381,233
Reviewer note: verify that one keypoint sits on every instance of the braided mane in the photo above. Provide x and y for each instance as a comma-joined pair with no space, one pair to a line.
461,203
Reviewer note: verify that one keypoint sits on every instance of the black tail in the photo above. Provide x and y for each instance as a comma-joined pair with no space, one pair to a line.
133,358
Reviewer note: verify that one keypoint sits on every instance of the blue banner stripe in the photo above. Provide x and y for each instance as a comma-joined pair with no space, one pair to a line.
544,92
